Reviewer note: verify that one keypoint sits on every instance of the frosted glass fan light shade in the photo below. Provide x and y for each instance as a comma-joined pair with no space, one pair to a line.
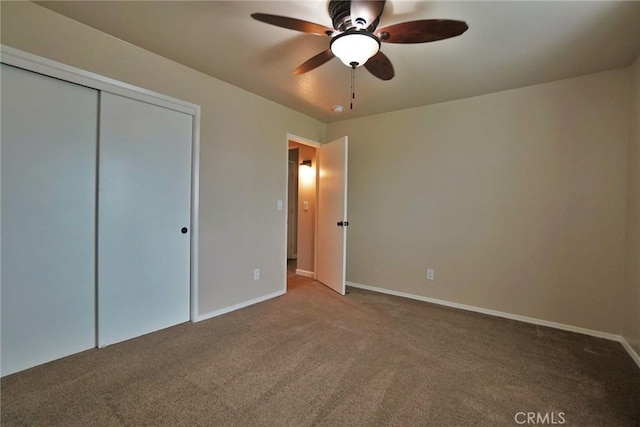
355,47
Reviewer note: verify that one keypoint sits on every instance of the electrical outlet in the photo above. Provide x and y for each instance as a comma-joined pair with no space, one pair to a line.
431,275
256,274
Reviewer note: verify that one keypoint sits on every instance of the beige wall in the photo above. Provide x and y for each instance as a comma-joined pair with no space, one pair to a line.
517,200
306,219
242,149
292,202
631,330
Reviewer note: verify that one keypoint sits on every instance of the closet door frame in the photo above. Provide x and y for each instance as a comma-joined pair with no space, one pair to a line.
47,67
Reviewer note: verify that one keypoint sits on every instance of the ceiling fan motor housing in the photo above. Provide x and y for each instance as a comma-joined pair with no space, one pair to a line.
340,13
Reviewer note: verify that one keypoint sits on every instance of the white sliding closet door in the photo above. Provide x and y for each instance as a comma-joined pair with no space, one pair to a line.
49,137
144,218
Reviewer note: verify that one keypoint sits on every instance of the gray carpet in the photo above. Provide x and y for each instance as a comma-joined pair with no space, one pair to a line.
313,357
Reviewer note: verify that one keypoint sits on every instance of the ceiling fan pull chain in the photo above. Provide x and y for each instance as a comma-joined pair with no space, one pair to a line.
353,83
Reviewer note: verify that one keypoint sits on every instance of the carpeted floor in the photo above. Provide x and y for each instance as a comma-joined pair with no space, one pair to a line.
313,357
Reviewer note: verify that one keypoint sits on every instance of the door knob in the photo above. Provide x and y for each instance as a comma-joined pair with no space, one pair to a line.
184,230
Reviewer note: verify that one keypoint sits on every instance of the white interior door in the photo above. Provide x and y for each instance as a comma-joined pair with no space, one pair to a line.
49,140
332,214
143,210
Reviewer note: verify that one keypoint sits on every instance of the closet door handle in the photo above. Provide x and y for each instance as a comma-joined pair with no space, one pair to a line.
184,230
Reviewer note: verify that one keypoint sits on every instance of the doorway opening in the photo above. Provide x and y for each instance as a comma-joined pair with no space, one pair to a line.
301,212
326,204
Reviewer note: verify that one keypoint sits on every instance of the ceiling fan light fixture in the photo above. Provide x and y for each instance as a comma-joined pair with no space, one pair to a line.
355,47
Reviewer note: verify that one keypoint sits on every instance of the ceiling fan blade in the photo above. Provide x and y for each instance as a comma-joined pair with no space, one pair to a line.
366,13
426,30
293,24
314,62
380,66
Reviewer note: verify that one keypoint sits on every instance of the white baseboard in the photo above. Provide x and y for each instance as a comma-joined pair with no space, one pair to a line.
511,316
238,306
304,273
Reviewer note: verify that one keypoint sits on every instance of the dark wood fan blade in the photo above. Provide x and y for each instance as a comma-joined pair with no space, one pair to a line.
426,30
380,66
366,13
314,62
293,24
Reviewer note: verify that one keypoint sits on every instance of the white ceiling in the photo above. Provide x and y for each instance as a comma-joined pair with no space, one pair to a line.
509,44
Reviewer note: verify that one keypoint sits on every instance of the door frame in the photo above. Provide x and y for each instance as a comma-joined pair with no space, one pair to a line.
47,67
314,144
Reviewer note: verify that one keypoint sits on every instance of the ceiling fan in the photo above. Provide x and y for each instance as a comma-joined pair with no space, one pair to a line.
355,38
